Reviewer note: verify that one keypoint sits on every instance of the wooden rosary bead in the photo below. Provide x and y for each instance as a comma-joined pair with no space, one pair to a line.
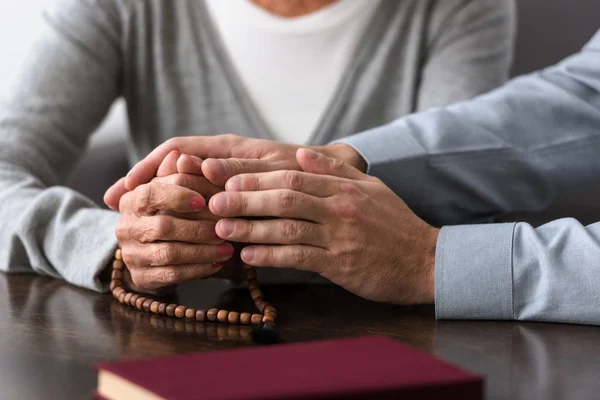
122,297
245,318
233,317
116,274
180,311
139,303
146,304
253,284
154,307
133,299
170,310
255,319
269,309
260,304
222,315
211,314
268,318
118,265
256,293
190,313
128,297
162,308
119,254
115,283
200,315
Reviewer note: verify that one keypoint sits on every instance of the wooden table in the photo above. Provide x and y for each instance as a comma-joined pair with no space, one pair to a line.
52,333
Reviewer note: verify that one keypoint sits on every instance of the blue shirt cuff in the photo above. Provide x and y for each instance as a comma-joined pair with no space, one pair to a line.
473,272
384,146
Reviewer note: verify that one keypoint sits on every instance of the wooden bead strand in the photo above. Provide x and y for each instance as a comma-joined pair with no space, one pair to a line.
267,315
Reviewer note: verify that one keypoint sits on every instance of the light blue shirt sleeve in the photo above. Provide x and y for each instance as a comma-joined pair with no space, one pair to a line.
513,149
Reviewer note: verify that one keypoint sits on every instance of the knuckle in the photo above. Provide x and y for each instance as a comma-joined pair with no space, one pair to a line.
345,263
336,165
165,253
156,229
349,187
289,230
144,197
129,259
287,199
169,276
346,210
293,180
298,255
203,230
122,230
292,230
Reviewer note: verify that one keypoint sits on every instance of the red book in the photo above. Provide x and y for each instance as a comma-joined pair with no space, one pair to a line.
370,367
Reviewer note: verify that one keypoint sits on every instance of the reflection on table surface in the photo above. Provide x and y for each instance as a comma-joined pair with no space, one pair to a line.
52,333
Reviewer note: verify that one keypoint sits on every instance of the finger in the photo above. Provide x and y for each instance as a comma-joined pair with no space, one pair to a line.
218,171
202,146
113,195
167,228
274,231
204,215
188,164
317,163
307,258
269,203
315,185
153,197
175,253
169,164
196,183
151,279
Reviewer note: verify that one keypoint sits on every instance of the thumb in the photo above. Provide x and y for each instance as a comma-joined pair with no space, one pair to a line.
317,163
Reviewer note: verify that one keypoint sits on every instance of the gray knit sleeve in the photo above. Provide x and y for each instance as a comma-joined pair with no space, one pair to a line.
64,89
470,46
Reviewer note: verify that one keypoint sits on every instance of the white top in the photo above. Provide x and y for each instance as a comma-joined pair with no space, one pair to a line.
290,67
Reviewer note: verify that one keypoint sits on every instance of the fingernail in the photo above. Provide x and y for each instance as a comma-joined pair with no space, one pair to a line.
226,227
197,202
219,202
218,264
247,254
225,249
234,184
312,154
219,167
197,159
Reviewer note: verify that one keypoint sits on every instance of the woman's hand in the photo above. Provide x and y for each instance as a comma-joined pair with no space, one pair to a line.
167,235
349,227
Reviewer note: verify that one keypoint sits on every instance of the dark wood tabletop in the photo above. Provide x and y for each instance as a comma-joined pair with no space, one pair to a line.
52,333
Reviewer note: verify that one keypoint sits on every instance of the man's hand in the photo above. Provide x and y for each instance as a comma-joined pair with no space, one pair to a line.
350,228
250,155
160,246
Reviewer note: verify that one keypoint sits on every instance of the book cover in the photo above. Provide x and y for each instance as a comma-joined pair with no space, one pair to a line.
373,367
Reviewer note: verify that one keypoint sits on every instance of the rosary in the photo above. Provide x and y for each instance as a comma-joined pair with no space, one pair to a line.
264,320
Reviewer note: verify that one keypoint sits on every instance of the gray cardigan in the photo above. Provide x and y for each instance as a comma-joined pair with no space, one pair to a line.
165,59
513,149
